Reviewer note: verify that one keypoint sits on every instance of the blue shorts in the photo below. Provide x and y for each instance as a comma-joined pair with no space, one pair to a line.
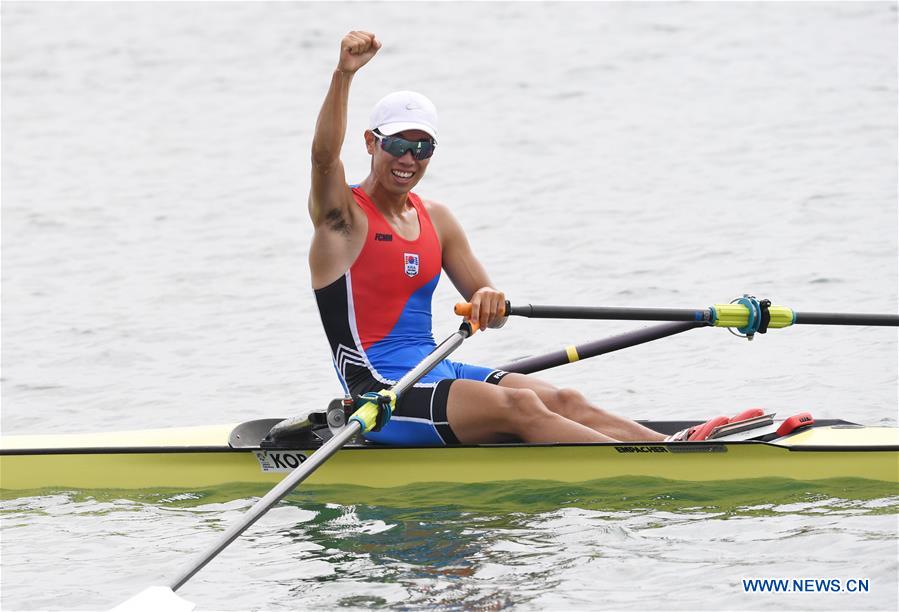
419,418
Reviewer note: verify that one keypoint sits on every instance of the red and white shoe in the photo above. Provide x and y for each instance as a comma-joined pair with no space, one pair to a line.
749,413
698,433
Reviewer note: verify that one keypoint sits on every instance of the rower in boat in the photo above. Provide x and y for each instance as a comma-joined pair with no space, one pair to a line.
376,257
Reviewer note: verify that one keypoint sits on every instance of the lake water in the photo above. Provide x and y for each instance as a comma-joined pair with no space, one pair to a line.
154,240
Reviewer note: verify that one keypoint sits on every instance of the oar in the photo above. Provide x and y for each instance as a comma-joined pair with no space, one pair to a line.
748,314
363,420
573,353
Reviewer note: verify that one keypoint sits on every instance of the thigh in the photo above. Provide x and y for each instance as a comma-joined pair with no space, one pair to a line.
475,412
568,404
544,390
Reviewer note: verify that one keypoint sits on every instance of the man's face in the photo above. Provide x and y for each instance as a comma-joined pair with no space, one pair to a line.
397,174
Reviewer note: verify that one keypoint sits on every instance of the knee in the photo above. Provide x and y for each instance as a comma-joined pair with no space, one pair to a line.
573,404
521,399
523,404
570,398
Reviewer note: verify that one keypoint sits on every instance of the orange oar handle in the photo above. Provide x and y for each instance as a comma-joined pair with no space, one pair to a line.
463,309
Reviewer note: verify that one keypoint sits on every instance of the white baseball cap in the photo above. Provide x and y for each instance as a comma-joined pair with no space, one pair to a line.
404,110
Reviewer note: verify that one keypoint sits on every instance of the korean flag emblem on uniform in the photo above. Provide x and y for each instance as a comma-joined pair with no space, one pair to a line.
411,261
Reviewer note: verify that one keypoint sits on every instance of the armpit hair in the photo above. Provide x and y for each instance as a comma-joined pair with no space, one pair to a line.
337,221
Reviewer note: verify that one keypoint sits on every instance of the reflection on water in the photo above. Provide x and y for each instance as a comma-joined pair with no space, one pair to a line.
515,543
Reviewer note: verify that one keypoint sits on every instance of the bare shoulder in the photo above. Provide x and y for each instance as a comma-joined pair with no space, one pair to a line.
435,207
443,219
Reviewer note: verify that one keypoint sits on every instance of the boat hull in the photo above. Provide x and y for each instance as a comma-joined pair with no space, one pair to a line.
372,466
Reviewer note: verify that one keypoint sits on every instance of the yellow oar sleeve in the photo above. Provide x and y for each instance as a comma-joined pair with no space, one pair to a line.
737,315
367,414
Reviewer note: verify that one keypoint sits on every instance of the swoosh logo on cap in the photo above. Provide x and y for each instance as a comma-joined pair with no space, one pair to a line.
412,106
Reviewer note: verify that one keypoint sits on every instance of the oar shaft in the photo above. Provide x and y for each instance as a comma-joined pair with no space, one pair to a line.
610,312
321,455
271,498
831,318
747,314
598,347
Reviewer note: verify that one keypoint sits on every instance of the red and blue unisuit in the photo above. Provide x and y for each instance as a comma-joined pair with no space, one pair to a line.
377,318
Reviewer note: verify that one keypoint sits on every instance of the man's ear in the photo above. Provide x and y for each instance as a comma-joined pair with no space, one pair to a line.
370,142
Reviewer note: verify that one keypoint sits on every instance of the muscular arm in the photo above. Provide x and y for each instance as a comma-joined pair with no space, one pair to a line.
464,269
330,199
339,225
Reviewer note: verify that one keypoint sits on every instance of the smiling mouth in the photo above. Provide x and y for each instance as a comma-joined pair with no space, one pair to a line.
401,174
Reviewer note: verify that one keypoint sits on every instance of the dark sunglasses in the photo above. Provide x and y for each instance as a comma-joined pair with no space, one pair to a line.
396,146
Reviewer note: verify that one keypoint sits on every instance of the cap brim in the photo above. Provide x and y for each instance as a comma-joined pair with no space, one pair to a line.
389,129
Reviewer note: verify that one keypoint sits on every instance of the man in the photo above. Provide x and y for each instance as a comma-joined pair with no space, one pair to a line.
375,259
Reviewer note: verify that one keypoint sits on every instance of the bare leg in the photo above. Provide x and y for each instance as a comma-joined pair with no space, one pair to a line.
480,413
574,406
